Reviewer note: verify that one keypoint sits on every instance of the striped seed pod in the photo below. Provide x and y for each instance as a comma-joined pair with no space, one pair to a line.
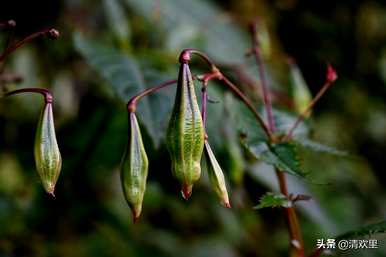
47,155
134,168
216,176
185,133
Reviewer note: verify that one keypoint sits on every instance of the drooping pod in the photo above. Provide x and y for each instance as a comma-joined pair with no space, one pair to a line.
185,133
47,155
216,176
134,168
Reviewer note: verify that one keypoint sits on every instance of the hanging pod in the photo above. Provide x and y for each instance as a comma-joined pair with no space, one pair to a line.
216,176
134,168
185,133
47,155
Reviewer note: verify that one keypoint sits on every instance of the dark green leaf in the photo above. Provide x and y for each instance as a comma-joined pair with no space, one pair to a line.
283,156
364,231
318,147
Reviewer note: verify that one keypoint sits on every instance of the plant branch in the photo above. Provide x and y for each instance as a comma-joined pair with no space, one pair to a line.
266,96
48,98
51,33
330,78
132,103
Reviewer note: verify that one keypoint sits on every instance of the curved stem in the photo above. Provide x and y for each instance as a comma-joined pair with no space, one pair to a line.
185,57
48,98
132,103
52,33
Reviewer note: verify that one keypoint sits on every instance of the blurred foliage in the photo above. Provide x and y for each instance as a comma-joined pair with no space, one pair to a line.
111,49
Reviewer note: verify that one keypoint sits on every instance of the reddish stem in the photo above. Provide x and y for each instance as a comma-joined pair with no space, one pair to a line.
261,69
52,33
132,104
330,78
48,98
296,240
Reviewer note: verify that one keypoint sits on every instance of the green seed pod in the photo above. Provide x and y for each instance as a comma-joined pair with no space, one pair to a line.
300,91
47,155
134,168
185,133
216,176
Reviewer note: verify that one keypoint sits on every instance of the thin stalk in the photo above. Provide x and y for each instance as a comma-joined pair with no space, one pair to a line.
309,107
7,24
317,252
296,240
52,33
48,98
264,86
247,102
132,104
186,53
204,98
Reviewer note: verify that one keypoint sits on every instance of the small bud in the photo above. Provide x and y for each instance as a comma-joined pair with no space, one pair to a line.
185,133
331,74
134,169
216,176
53,34
47,156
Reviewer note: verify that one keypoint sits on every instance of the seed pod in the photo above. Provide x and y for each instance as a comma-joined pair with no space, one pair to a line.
300,91
216,176
134,168
185,133
47,155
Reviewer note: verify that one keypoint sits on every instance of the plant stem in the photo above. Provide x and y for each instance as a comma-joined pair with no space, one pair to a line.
52,33
317,252
303,115
296,240
132,104
48,98
247,102
261,69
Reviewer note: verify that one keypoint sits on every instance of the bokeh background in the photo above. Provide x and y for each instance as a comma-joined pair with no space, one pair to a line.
111,49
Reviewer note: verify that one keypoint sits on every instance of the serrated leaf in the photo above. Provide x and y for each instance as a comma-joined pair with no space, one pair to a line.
121,72
364,231
273,200
283,156
318,147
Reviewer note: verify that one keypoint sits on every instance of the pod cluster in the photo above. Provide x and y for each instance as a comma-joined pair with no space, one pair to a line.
185,142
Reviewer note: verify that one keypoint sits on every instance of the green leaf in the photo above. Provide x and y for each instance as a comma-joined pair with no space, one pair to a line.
121,72
364,231
203,25
272,200
300,91
318,147
283,156
117,21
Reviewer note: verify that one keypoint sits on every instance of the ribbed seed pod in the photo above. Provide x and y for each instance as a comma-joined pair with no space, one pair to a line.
216,176
47,155
185,133
134,168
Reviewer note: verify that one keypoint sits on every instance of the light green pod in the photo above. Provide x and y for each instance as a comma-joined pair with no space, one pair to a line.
216,176
300,91
185,133
47,155
134,168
